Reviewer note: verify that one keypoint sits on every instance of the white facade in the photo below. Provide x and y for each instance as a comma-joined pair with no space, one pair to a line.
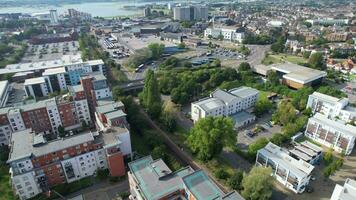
103,93
228,34
345,192
331,107
4,92
5,135
55,75
125,146
25,185
293,174
53,114
188,13
333,134
15,119
224,103
36,87
82,109
53,16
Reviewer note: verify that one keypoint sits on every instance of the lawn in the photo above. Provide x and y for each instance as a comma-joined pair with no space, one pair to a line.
5,187
280,58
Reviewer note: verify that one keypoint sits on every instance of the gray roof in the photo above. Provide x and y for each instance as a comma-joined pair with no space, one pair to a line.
208,104
115,114
22,144
242,116
346,192
223,95
109,107
243,91
76,88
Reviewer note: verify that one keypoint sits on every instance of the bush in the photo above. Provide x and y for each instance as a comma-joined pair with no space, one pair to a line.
235,180
328,157
221,174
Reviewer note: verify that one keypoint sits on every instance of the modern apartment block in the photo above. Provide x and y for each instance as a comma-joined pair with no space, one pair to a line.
36,87
331,107
334,134
224,103
292,173
153,180
345,192
4,92
190,13
73,65
110,114
56,79
227,33
37,165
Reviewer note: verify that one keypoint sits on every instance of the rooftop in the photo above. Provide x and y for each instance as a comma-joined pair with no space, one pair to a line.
109,107
297,167
25,145
298,73
325,97
223,95
33,81
241,116
243,92
208,104
337,125
346,192
53,71
115,114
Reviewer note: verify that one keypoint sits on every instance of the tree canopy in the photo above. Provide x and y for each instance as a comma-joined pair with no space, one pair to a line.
316,61
257,184
209,135
150,96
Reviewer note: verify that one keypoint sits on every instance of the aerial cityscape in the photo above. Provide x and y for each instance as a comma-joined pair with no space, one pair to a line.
177,100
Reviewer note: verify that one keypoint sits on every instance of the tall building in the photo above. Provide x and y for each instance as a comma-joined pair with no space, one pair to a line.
53,16
75,14
37,165
292,173
190,13
152,180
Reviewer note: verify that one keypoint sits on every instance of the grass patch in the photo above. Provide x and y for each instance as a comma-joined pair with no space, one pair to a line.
5,187
281,58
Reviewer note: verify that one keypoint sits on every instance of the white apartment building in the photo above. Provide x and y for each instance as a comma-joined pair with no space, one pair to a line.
53,114
25,184
345,192
331,107
4,92
53,16
5,134
56,79
293,174
36,87
334,134
228,34
224,103
15,120
82,110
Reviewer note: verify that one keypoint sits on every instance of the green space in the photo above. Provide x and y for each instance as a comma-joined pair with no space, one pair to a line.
281,58
5,187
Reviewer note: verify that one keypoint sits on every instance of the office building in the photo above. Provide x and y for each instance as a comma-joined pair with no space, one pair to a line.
345,192
190,13
153,180
292,173
296,76
224,103
53,17
37,165
230,34
36,87
337,135
331,107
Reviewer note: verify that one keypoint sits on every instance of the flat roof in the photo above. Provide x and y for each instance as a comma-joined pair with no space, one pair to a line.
298,73
201,186
53,71
33,81
115,114
325,97
223,95
297,167
346,192
152,184
109,107
22,144
337,125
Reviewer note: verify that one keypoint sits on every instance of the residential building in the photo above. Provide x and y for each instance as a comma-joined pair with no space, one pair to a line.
110,114
230,34
328,21
153,180
224,103
292,173
56,79
53,17
4,92
190,13
334,134
79,15
73,65
307,152
37,165
331,107
345,192
36,87
296,76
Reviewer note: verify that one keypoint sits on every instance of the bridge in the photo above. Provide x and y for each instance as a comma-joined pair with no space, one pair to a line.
132,85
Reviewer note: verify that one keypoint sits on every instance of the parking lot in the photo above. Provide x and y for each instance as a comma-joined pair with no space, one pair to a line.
50,51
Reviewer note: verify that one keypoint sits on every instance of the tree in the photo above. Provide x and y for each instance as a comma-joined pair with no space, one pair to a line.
235,180
285,113
257,184
116,92
156,49
278,46
244,66
257,145
279,139
61,131
209,135
263,105
167,117
316,61
151,97
272,77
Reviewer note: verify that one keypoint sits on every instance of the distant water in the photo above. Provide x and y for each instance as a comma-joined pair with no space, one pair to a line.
101,9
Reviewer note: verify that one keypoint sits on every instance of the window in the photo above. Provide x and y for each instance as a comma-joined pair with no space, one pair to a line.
29,188
18,187
27,183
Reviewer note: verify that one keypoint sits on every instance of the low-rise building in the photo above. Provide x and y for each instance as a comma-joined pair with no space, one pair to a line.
153,180
307,152
334,134
345,192
227,34
331,107
292,173
224,103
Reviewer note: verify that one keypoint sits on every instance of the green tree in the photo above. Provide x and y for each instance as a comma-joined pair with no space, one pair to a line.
257,184
279,139
156,49
272,77
235,180
285,113
263,105
278,46
209,135
257,145
244,66
151,97
61,131
316,61
167,117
